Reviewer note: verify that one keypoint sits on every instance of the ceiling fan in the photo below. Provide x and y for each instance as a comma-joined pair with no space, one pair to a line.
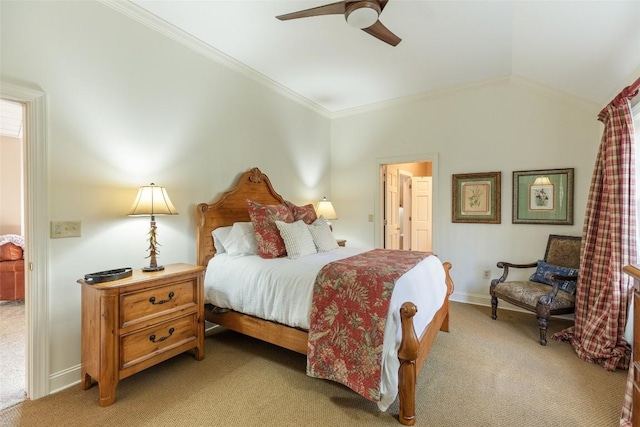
361,14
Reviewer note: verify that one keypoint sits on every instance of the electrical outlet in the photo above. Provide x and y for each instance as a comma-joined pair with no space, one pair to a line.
370,217
486,274
61,229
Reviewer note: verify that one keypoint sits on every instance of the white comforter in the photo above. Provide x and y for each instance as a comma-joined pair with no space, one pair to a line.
281,290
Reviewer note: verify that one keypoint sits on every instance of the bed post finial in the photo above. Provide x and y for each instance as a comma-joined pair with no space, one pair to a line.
256,176
407,354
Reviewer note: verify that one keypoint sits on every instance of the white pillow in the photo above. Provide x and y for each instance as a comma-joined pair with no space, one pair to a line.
241,240
322,235
297,238
219,236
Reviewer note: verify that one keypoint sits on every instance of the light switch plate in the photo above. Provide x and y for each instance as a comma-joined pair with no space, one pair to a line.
65,229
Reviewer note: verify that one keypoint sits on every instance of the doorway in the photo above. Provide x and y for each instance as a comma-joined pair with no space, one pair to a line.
13,335
407,199
36,231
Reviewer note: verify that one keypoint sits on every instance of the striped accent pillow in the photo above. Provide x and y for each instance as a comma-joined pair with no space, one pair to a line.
297,238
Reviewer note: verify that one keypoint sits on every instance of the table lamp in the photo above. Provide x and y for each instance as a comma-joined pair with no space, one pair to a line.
152,200
325,209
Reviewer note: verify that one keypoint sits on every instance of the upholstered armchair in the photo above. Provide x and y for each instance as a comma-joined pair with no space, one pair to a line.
550,290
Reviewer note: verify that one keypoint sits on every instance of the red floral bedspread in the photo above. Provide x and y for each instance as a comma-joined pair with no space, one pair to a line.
348,315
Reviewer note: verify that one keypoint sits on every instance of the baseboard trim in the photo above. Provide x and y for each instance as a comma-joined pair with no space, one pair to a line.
485,300
70,377
64,379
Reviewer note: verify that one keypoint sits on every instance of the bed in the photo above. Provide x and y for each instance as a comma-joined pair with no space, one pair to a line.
413,348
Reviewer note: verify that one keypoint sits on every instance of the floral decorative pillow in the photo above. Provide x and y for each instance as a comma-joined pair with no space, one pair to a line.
545,268
264,217
305,213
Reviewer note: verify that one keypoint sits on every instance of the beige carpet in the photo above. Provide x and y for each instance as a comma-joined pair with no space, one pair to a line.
482,373
12,353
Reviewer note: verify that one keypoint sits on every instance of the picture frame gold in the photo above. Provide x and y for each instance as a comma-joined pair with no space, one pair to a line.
476,198
543,196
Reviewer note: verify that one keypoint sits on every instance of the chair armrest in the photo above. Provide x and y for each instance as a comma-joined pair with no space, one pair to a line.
505,266
555,280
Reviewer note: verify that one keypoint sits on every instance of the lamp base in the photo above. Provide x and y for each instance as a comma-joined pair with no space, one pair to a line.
156,268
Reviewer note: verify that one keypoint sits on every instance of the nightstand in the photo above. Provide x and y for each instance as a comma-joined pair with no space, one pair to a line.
341,242
131,324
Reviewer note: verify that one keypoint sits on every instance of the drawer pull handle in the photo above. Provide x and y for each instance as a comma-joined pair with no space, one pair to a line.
152,338
152,300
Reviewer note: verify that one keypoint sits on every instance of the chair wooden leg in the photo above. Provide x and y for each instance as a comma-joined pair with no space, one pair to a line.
542,323
494,308
543,312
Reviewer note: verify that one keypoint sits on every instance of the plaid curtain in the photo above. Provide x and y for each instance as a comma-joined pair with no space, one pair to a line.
608,244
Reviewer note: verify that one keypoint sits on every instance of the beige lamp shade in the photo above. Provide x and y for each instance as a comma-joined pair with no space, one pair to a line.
152,200
325,208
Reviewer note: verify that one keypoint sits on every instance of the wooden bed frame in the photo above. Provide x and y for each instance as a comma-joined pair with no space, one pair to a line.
231,208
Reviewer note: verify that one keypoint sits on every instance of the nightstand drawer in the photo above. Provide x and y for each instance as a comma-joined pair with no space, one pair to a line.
154,302
153,341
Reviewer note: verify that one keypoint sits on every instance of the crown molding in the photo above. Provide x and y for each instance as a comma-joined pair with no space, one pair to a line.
514,80
142,16
418,97
574,101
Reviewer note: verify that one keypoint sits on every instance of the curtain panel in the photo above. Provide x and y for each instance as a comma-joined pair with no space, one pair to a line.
608,244
603,291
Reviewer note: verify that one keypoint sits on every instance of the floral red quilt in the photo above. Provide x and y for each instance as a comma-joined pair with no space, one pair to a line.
348,315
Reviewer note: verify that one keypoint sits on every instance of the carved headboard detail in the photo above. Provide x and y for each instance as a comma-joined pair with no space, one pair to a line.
231,207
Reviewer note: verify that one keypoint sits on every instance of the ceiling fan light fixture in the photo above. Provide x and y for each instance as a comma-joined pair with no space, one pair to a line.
362,14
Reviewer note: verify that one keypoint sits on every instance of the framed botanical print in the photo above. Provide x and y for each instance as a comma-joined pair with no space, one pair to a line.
476,198
543,197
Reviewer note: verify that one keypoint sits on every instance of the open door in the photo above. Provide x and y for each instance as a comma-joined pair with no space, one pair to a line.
421,214
392,208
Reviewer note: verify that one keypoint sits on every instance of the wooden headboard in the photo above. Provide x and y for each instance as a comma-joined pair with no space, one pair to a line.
230,208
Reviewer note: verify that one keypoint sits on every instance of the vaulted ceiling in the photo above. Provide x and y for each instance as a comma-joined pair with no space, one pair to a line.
588,49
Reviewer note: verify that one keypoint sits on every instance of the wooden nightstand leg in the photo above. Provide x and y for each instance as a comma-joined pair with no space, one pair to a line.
86,382
199,349
107,392
108,380
198,353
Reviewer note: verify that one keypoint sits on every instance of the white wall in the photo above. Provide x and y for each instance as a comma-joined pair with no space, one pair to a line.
504,126
126,107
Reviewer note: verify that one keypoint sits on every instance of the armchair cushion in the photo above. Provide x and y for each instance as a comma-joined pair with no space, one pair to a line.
529,293
544,268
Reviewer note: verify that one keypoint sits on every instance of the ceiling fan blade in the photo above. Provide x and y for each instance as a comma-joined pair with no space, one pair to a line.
382,4
328,9
381,32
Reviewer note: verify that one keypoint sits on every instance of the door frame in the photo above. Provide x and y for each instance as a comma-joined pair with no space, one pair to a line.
36,218
404,183
378,198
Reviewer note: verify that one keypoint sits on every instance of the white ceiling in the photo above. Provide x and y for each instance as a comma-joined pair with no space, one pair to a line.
588,49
